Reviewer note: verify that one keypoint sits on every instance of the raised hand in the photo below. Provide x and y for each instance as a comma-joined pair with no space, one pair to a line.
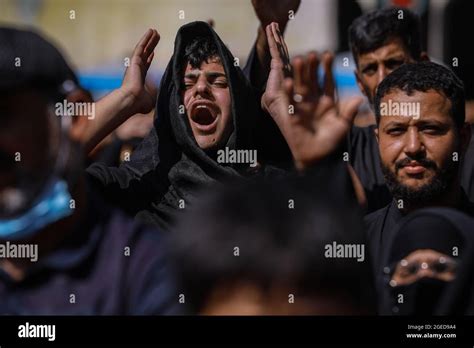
275,99
131,98
307,115
133,83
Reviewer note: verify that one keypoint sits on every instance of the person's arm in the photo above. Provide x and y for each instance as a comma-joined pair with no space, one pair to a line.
131,98
257,67
309,119
313,125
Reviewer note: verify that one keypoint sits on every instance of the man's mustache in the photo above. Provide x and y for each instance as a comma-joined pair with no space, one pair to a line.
423,161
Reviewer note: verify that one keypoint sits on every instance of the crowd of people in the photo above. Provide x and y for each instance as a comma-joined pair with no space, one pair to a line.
329,218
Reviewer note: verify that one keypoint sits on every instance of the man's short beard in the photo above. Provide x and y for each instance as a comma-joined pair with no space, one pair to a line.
432,192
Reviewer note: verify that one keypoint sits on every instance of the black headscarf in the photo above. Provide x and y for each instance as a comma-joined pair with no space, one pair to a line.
174,169
440,229
180,168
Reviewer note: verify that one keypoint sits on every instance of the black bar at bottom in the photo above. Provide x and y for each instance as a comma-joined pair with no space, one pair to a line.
134,331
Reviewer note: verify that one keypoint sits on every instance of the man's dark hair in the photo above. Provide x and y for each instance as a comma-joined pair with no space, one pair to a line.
200,50
276,244
374,29
422,77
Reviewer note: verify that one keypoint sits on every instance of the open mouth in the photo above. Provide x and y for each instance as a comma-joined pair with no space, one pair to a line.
204,116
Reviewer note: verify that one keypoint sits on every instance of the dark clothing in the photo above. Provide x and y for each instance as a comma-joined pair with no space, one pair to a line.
93,273
136,194
169,168
443,230
251,70
380,227
365,159
269,142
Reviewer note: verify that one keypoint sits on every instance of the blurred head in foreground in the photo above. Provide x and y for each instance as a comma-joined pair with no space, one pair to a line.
270,249
39,154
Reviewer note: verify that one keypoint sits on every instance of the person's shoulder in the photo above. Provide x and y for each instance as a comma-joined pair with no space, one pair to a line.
107,175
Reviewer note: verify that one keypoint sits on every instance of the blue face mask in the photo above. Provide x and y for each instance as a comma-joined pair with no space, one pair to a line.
52,205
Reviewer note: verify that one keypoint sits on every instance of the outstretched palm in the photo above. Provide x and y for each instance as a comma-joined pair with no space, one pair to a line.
134,80
309,119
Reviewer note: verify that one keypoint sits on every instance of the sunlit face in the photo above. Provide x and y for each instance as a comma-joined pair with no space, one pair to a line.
208,103
418,153
374,66
424,263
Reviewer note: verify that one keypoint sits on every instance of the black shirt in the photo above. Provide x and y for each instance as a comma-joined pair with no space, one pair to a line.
365,159
380,225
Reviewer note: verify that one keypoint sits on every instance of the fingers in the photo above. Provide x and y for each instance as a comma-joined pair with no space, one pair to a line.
281,45
328,84
151,44
284,123
288,86
272,43
313,63
147,44
298,76
305,76
140,47
276,37
348,109
149,60
325,104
